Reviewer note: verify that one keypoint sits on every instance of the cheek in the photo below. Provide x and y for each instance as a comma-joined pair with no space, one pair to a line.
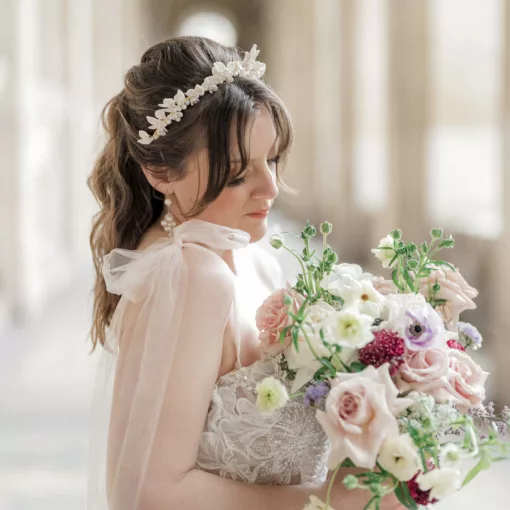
228,208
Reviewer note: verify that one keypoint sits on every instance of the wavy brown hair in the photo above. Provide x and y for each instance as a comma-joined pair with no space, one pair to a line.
128,204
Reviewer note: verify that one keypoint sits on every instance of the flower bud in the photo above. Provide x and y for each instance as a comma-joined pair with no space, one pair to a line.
276,241
326,228
396,234
412,265
436,233
411,248
447,243
436,287
332,258
309,230
350,482
424,247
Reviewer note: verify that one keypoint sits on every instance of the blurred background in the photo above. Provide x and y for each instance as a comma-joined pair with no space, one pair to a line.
402,116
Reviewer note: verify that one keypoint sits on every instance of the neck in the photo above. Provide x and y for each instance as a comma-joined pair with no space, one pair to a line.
228,257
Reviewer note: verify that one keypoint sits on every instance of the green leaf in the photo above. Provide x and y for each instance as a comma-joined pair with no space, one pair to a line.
357,366
444,263
394,277
327,363
283,333
295,336
347,463
322,370
393,259
403,495
409,280
483,463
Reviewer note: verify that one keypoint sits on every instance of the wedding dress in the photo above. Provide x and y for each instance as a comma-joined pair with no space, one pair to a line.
238,442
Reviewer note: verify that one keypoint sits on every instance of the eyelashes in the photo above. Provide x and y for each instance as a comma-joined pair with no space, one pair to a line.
241,180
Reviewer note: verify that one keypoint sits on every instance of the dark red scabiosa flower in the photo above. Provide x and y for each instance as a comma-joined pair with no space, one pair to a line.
453,344
421,497
387,347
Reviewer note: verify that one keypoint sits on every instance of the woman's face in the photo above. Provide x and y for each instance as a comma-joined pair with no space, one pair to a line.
244,204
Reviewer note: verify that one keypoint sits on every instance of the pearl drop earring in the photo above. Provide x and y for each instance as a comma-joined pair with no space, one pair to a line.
168,223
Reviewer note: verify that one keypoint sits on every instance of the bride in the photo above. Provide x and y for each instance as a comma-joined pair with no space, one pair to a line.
188,175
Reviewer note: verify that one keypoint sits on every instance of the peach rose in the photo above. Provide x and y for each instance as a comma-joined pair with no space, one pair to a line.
360,415
272,318
454,289
467,380
426,371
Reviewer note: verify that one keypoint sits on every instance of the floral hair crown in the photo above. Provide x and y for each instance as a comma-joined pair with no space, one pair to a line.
171,108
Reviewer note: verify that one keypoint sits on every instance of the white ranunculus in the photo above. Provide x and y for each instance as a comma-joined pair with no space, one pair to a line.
271,395
399,456
384,255
349,328
441,482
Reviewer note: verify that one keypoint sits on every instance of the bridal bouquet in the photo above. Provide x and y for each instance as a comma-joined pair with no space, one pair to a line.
386,364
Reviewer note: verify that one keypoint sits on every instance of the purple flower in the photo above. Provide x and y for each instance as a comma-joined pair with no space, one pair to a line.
423,328
315,393
470,335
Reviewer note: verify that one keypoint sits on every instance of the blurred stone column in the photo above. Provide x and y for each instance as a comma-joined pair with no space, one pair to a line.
10,139
501,268
408,105
288,50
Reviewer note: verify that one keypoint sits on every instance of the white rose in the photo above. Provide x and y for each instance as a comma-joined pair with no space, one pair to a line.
349,328
271,395
441,482
399,456
382,254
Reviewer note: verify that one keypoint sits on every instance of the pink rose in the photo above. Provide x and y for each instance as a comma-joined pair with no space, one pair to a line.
360,415
272,319
426,371
454,289
467,380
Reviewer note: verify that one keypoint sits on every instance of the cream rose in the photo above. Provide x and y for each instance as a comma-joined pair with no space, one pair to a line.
272,318
467,380
427,372
360,415
455,290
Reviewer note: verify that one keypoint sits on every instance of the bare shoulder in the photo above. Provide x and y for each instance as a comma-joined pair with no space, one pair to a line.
208,272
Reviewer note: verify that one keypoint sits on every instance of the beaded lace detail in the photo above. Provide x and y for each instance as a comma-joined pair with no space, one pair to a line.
287,446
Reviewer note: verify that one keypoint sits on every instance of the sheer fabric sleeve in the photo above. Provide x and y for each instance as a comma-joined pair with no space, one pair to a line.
157,372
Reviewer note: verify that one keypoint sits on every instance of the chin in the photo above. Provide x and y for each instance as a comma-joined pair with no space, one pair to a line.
257,232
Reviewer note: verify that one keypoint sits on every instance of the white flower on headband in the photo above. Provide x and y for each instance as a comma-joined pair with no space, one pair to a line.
171,108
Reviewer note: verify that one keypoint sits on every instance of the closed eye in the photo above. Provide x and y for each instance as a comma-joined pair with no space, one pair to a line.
242,179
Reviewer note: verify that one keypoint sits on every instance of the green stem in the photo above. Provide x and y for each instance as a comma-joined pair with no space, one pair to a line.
330,486
305,274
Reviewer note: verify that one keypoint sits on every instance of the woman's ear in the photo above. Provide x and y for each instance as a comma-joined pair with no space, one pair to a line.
159,184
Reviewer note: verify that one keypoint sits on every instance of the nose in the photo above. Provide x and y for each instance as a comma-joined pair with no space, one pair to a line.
266,187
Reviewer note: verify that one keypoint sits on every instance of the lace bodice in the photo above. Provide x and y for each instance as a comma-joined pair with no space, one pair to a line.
238,442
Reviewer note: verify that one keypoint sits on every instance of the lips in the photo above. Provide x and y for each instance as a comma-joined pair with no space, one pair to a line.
261,213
